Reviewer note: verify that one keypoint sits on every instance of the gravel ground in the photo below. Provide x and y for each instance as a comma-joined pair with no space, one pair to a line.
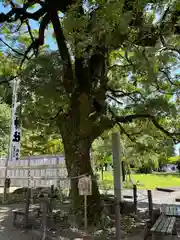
8,232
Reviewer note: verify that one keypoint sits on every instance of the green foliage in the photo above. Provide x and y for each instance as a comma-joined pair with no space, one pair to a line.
102,152
149,150
42,91
148,181
141,78
174,159
38,142
5,113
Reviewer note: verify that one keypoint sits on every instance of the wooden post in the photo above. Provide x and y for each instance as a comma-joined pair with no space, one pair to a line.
135,197
102,173
7,184
5,192
57,172
51,199
85,213
150,204
52,190
117,180
44,217
123,171
27,204
28,197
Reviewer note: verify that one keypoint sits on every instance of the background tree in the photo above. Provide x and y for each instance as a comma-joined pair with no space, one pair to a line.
102,154
38,143
5,113
142,149
116,64
6,69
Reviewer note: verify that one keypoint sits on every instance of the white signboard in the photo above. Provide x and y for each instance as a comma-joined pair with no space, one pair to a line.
85,186
15,126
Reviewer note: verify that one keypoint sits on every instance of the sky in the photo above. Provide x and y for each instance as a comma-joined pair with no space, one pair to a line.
35,25
52,44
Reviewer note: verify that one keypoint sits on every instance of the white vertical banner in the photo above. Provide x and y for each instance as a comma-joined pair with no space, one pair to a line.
14,147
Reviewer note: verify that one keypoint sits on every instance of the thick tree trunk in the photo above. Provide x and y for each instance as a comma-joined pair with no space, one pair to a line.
77,155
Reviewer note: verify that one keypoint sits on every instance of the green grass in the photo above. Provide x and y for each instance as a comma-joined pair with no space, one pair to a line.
146,181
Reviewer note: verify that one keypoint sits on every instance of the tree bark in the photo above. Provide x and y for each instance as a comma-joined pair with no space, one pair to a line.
77,157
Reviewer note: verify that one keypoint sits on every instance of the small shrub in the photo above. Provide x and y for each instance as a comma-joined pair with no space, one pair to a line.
128,223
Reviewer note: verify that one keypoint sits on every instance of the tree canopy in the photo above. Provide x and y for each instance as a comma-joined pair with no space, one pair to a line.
117,64
140,39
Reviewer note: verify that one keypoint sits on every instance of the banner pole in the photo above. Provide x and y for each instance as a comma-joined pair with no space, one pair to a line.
9,157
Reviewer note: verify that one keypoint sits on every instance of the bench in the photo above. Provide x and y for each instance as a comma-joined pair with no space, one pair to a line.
17,213
21,213
171,210
164,225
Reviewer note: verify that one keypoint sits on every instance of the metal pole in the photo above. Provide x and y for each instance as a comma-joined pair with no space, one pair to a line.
117,180
9,157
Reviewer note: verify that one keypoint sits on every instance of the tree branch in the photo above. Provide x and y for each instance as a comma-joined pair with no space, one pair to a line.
39,41
43,25
9,79
130,118
121,94
21,14
126,133
169,48
14,50
29,30
54,117
33,46
168,77
114,99
61,42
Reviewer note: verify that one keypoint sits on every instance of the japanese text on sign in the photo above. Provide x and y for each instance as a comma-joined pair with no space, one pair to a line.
85,186
15,141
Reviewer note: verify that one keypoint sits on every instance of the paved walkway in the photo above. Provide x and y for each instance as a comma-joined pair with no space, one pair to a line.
158,196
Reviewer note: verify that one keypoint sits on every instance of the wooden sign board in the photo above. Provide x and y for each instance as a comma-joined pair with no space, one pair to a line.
85,186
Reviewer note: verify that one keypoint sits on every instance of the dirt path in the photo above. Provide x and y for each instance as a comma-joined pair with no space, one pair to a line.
7,231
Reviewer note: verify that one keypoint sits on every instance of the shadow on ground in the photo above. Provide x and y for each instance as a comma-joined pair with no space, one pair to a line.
8,232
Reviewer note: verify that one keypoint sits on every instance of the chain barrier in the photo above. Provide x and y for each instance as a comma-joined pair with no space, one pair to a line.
140,195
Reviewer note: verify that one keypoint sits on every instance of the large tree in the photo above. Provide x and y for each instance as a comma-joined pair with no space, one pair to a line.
117,59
